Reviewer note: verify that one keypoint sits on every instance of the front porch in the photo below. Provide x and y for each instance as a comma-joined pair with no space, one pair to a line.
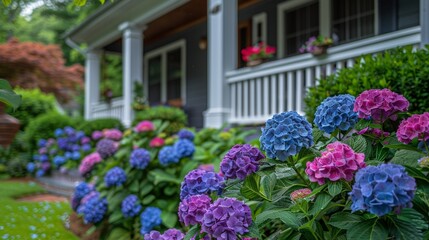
259,92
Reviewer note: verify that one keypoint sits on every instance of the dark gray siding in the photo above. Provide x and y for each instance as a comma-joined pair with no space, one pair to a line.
196,71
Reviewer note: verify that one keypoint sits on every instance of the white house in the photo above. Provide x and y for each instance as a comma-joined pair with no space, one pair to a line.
188,51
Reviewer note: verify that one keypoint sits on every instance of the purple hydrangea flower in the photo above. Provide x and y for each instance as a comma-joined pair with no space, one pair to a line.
150,218
186,134
241,161
285,134
153,235
201,182
140,158
131,206
115,177
45,166
184,148
106,148
167,155
226,218
97,135
383,188
86,147
93,208
336,112
173,234
113,134
193,208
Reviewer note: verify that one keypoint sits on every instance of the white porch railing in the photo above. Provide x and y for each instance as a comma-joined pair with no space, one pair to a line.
115,109
259,92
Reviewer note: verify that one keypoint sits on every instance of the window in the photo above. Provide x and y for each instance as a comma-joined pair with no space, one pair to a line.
398,14
298,20
165,74
352,20
259,28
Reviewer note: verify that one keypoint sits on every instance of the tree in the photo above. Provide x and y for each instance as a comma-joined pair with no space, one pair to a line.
35,65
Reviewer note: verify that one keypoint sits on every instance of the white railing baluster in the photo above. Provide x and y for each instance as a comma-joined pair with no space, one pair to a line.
290,91
317,74
309,78
266,97
274,94
233,101
281,92
239,100
328,69
246,99
339,66
252,98
299,90
258,97
350,63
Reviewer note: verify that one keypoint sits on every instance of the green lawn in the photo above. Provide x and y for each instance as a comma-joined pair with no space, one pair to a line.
31,220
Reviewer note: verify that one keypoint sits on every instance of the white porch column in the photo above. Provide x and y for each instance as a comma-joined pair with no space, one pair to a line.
132,58
222,57
424,22
92,80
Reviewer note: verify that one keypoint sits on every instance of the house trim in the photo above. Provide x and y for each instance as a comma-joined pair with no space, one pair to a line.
281,8
162,51
262,19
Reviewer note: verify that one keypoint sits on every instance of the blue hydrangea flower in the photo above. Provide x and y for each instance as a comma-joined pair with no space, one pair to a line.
42,143
336,112
199,181
140,158
31,167
68,155
131,206
82,189
115,177
285,134
69,130
93,209
184,148
36,157
86,147
150,218
40,173
383,188
75,156
58,132
186,134
59,160
167,155
43,158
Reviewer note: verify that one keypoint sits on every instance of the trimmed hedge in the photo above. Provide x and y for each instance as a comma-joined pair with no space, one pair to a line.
175,116
402,70
34,103
99,124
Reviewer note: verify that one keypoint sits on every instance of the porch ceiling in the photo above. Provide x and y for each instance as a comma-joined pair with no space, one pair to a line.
102,27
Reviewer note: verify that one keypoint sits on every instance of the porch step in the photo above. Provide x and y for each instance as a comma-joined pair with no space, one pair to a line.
60,184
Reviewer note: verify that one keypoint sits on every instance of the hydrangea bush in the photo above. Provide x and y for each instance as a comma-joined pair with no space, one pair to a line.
141,176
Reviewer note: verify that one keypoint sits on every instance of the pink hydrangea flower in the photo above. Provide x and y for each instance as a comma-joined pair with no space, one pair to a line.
416,126
207,167
339,161
380,105
157,142
144,126
113,134
300,194
89,162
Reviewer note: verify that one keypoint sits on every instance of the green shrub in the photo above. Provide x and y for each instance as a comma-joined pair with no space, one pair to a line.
99,124
17,167
175,116
34,103
401,70
44,127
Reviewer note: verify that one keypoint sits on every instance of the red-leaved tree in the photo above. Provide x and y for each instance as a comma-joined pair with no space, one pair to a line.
36,65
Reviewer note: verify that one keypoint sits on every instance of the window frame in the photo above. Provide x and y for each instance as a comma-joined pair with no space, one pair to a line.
325,25
260,18
162,51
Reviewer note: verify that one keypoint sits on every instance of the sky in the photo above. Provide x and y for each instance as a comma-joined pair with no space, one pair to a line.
29,9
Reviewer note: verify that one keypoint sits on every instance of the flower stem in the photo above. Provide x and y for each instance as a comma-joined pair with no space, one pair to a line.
299,175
